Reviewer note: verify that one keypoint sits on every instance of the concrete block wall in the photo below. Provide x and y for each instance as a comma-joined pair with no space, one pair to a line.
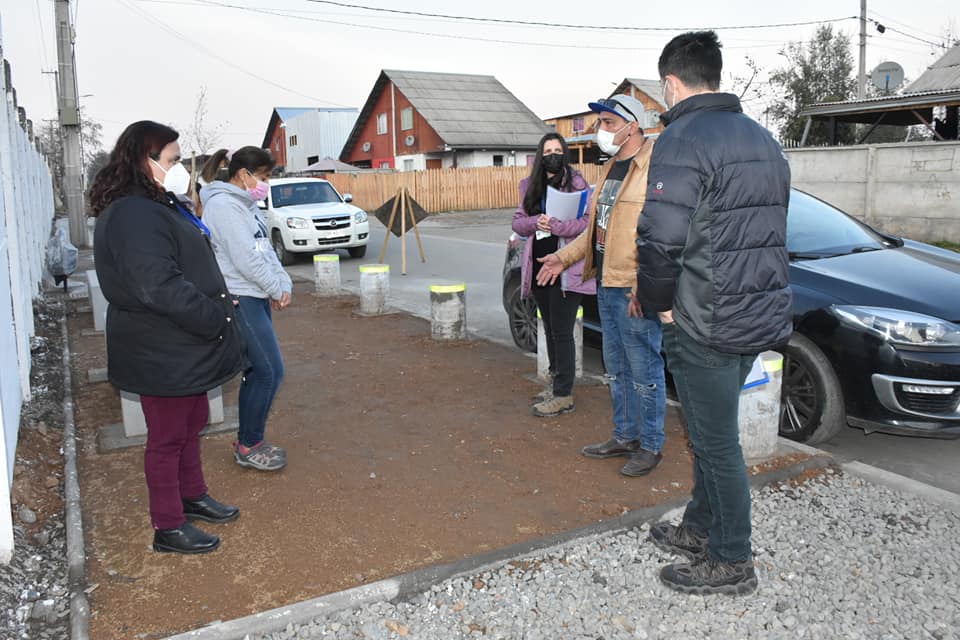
909,189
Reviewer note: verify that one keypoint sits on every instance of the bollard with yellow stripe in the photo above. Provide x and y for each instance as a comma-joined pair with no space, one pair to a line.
326,272
374,288
448,311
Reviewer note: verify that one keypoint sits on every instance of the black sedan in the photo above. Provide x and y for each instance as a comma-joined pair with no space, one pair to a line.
876,340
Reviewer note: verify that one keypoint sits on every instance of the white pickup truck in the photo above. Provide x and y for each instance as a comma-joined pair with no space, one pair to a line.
307,215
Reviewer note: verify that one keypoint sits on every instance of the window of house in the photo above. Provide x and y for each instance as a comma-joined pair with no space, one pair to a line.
406,118
408,165
312,159
385,164
382,123
578,126
498,161
293,141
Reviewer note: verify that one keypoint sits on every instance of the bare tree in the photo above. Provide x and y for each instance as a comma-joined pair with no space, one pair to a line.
200,136
748,87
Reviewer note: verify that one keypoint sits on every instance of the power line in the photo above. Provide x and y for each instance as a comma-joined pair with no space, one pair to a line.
445,35
223,60
905,25
424,14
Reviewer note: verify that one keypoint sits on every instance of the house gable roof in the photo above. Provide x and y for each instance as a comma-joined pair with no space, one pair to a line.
942,75
466,111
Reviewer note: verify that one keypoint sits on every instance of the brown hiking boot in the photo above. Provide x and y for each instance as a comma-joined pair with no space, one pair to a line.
553,407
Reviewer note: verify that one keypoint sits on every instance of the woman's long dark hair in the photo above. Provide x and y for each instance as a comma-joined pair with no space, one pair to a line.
127,171
250,158
537,184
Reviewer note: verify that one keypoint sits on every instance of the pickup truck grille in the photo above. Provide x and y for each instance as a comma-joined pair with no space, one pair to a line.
335,222
337,240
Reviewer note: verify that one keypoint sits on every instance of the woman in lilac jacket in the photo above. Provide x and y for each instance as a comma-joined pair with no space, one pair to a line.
558,303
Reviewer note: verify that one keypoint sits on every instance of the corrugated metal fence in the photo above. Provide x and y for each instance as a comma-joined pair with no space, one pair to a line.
26,216
444,189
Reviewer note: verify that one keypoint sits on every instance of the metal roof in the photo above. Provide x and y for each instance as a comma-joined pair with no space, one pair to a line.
466,111
939,85
942,75
868,109
649,87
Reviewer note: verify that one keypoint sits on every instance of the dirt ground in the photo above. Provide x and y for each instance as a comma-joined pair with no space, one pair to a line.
403,453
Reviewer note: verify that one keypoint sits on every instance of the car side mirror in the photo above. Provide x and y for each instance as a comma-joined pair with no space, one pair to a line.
348,197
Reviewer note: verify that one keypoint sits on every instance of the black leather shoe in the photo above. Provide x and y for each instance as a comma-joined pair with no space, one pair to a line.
185,539
641,463
206,508
611,449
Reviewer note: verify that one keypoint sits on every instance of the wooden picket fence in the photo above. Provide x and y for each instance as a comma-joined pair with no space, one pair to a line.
444,189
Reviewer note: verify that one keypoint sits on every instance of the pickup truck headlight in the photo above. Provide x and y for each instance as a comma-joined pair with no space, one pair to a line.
360,216
298,223
903,328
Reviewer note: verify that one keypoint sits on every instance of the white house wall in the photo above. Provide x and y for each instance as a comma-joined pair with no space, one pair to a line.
320,133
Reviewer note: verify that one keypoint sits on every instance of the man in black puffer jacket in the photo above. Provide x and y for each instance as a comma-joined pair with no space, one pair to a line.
712,259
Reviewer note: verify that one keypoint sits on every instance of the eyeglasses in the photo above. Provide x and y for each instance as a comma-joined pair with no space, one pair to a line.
610,103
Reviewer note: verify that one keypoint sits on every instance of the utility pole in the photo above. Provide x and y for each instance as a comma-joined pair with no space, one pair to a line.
862,78
68,108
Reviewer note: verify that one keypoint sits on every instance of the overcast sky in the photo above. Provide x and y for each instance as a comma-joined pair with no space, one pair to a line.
148,58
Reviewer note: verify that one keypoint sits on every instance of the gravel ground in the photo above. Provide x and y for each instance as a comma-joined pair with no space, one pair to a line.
34,599
837,557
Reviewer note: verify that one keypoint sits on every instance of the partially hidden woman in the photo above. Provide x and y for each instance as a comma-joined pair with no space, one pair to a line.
558,303
171,335
259,284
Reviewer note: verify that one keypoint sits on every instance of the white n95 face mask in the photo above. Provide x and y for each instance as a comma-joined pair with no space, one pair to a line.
177,179
605,142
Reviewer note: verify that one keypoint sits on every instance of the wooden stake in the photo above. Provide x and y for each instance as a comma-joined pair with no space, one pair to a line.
403,231
416,232
386,238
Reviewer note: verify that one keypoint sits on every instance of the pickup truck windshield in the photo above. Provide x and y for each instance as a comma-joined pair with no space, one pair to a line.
285,195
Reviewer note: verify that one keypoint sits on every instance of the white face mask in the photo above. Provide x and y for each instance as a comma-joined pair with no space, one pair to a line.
605,140
176,178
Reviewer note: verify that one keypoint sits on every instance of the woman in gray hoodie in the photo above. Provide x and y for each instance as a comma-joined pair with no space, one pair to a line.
258,284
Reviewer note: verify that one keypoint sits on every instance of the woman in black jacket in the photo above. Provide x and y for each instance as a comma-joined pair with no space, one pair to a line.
170,333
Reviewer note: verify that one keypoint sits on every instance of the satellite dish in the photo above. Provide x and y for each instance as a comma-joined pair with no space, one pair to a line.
366,146
887,76
409,140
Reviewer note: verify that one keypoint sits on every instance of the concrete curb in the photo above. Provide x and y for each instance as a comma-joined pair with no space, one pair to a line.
936,495
407,585
76,555
876,475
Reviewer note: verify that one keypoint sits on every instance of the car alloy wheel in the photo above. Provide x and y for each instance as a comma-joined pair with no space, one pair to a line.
523,320
811,406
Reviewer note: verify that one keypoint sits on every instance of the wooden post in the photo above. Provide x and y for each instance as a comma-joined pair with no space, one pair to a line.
386,237
416,231
403,231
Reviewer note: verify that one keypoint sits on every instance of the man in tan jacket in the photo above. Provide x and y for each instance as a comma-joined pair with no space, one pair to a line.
631,339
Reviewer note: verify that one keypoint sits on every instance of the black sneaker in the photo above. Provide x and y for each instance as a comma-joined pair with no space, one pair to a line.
708,575
681,540
641,463
611,449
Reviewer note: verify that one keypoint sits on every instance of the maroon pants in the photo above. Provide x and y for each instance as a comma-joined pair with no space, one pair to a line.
171,460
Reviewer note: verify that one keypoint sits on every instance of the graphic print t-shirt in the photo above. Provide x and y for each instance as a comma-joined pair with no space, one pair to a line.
605,199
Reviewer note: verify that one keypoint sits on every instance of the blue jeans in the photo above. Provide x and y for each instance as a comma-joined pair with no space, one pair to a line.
264,370
708,383
631,354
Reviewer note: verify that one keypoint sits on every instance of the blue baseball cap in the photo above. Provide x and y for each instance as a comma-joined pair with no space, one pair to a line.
627,107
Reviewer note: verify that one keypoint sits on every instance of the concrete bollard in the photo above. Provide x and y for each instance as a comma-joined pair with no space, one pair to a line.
97,301
760,410
448,311
326,269
543,358
374,288
134,424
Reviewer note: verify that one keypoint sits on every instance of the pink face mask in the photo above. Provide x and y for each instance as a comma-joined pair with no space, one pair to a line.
260,190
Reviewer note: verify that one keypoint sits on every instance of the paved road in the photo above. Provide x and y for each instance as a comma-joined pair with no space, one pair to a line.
469,247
